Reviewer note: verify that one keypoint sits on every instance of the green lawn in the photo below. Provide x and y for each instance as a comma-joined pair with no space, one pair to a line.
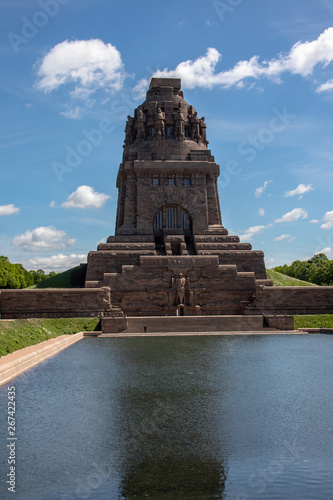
280,279
19,333
314,321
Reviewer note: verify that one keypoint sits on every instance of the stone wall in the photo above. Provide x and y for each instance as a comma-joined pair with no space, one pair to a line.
292,300
150,289
55,303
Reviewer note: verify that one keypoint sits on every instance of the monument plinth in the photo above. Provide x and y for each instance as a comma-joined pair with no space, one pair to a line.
170,253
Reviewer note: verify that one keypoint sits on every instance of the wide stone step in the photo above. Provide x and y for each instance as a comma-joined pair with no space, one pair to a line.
215,247
191,324
127,246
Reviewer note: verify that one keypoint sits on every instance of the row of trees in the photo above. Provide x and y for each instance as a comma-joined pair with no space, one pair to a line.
16,276
318,270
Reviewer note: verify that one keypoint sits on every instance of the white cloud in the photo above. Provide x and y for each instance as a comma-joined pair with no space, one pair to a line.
285,237
270,261
326,87
72,113
56,263
328,220
282,237
328,251
259,191
261,212
314,221
297,213
181,23
252,231
303,57
53,204
140,89
43,238
8,209
88,64
85,197
301,60
300,190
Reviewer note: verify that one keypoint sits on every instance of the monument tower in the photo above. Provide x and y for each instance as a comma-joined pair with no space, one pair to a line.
170,253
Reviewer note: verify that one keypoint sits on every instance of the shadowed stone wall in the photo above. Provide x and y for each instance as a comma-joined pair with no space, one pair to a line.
292,300
56,303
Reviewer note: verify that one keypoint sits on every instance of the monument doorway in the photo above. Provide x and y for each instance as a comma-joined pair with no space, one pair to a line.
172,217
173,220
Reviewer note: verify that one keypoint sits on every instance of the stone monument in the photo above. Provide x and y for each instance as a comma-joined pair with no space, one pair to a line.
171,254
170,248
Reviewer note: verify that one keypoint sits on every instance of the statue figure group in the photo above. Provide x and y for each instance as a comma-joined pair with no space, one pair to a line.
195,126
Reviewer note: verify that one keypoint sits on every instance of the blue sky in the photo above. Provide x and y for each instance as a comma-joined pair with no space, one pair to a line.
261,72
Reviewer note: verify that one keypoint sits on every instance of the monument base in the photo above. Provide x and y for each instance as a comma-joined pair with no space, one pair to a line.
202,324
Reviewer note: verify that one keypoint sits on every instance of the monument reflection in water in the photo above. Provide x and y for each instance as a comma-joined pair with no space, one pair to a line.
171,436
168,418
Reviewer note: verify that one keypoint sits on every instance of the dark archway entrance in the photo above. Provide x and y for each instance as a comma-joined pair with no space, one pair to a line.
173,219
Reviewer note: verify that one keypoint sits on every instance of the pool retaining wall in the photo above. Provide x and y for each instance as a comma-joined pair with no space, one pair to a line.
18,362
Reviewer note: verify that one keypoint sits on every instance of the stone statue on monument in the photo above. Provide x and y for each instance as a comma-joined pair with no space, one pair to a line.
195,127
203,127
179,123
141,125
129,130
180,284
159,123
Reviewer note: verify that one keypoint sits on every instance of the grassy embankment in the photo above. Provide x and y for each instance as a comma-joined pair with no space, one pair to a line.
315,321
16,334
68,279
280,279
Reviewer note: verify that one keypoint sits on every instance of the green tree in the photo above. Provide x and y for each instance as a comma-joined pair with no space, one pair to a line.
318,270
16,276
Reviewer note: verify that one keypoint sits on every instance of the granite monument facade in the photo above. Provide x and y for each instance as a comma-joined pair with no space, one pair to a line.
171,253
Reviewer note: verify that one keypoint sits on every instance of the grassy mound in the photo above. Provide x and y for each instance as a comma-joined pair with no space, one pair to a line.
314,321
72,278
280,279
18,333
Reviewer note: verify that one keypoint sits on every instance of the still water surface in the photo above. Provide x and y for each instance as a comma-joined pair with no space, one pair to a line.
168,418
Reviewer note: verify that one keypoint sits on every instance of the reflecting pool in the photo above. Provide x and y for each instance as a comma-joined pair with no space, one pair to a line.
232,417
